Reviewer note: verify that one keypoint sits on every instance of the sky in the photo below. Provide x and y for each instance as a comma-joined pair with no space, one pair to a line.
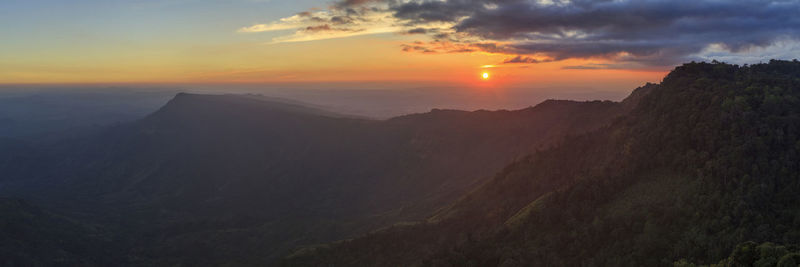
603,44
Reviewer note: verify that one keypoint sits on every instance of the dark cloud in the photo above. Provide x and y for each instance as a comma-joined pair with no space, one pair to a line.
354,2
325,28
349,4
417,31
339,20
417,48
441,36
438,46
433,11
492,48
318,19
524,60
603,66
319,28
649,32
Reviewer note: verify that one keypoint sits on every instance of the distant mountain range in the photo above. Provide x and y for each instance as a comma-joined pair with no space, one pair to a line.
242,179
57,113
705,164
699,169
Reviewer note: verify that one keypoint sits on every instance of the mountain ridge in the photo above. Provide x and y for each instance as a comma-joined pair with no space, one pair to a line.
658,185
230,168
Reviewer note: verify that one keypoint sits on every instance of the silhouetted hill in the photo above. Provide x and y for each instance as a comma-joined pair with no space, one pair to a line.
230,179
706,160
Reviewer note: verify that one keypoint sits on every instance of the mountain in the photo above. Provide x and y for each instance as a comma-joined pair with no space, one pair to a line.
35,237
241,179
35,114
705,161
752,254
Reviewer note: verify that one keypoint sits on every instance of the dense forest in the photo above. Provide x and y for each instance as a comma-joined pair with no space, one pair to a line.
243,179
34,237
759,255
704,165
700,169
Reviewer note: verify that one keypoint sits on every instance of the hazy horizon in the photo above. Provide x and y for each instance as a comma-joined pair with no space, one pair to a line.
384,102
400,133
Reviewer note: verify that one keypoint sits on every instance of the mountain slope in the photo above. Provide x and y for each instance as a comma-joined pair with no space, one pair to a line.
705,161
36,114
35,237
232,179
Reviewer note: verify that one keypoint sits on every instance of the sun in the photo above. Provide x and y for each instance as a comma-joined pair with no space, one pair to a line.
485,75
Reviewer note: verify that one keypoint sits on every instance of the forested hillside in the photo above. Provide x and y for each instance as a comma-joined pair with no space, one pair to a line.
241,179
30,236
707,160
749,253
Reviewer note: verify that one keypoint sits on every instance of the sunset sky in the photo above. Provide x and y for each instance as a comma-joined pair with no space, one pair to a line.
519,42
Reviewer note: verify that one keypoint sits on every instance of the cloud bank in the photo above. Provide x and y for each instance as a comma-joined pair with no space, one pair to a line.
642,33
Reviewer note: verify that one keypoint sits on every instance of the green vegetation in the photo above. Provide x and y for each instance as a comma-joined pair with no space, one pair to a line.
751,254
30,236
707,160
241,180
696,170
